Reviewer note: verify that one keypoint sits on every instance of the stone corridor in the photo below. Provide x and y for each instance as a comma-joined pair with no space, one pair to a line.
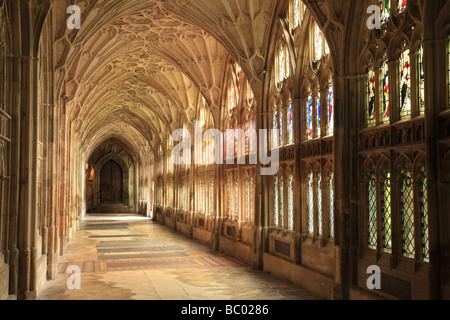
127,257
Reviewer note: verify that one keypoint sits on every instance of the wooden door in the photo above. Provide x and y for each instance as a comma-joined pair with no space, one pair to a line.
111,184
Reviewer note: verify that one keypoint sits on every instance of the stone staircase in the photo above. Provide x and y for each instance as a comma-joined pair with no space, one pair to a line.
111,207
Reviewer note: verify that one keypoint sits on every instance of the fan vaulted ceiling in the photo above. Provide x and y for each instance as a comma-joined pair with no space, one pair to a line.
139,72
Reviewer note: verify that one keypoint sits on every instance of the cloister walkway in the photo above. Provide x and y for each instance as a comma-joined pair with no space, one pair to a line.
127,257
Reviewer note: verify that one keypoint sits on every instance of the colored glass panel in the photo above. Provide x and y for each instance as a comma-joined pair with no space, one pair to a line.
405,85
371,110
385,107
309,117
330,129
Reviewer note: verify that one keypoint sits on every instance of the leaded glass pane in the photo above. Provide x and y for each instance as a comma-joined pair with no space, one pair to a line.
421,81
233,100
230,144
282,64
236,195
309,116
291,202
251,141
424,211
247,199
319,204
405,85
371,111
252,199
407,198
386,211
211,197
372,211
288,64
385,107
275,132
318,117
281,124
318,43
281,184
296,13
330,129
401,6
290,124
331,186
229,196
275,202
310,204
385,10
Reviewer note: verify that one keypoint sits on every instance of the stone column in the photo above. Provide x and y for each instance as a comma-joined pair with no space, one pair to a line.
349,94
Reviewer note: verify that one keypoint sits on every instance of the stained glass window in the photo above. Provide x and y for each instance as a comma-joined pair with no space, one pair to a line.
247,198
385,10
330,129
288,64
318,113
401,6
299,12
229,144
331,199
407,199
252,142
319,204
275,132
235,143
211,196
385,107
421,80
229,196
281,124
371,110
372,189
233,99
290,123
318,43
282,65
296,13
236,195
275,204
309,116
386,211
405,85
310,204
281,185
252,199
291,202
424,212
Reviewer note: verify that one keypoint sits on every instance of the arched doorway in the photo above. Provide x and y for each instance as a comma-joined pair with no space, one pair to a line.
111,182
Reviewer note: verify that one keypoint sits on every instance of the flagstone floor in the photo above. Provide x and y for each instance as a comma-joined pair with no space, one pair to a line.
132,258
